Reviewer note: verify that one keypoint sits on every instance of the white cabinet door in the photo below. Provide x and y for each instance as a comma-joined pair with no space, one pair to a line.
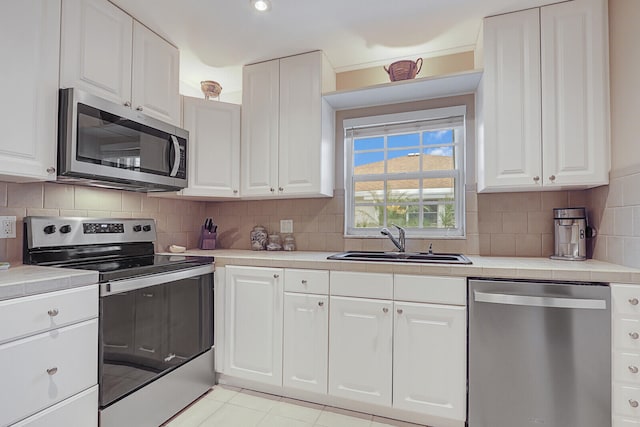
306,332
511,153
29,86
214,147
253,323
430,359
95,52
301,132
360,349
155,76
575,100
260,112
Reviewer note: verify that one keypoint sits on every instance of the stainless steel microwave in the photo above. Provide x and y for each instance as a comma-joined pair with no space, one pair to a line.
109,145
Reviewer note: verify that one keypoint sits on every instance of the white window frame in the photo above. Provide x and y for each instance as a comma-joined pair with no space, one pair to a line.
458,173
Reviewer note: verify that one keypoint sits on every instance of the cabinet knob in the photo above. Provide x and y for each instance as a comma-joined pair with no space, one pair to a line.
139,108
633,369
552,178
633,403
272,189
385,310
275,276
127,104
320,303
52,371
304,282
634,335
400,311
53,312
633,301
536,178
235,191
51,169
280,189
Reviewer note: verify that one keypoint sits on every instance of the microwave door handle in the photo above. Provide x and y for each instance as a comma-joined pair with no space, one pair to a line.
176,156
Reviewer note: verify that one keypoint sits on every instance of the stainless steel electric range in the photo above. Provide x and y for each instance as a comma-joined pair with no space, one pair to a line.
156,313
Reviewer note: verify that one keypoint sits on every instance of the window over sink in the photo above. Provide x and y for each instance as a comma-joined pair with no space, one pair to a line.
406,169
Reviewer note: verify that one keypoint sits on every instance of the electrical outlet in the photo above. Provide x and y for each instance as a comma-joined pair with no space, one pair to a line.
7,227
286,226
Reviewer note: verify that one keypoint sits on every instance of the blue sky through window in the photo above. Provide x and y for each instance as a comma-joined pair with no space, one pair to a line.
430,139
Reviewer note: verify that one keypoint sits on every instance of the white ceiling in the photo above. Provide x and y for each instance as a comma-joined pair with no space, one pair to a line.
217,37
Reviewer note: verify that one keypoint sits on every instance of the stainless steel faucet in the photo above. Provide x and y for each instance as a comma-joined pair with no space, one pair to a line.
400,242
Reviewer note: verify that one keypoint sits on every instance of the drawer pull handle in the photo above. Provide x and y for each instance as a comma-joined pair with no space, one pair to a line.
633,369
634,335
633,301
385,310
400,311
52,371
320,303
275,276
633,403
304,282
147,350
53,312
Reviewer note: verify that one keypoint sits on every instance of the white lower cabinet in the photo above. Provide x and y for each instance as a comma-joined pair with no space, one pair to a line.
253,323
429,359
306,329
81,409
625,357
360,349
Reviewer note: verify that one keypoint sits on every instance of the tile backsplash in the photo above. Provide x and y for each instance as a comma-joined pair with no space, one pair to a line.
177,221
498,224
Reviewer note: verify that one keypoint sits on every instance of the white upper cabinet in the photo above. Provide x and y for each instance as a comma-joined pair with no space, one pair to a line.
28,115
214,148
106,52
155,76
544,99
287,128
575,93
96,49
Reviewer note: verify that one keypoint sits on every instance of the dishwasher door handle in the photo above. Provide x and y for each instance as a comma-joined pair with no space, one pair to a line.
536,301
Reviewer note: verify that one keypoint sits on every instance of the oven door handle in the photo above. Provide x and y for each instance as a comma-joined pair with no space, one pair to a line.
119,286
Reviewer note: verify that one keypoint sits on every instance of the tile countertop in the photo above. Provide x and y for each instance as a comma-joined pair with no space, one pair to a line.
490,267
23,280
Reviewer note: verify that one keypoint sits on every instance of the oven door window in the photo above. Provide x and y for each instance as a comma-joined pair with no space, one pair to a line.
109,140
150,331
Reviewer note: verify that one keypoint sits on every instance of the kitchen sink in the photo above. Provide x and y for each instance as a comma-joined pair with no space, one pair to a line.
416,257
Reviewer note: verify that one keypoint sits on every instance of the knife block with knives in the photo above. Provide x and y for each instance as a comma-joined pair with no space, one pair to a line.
208,233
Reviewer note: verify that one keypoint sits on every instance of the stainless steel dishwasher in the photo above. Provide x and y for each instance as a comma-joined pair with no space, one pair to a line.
539,354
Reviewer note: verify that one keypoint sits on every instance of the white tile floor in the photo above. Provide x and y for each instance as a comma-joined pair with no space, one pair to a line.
232,407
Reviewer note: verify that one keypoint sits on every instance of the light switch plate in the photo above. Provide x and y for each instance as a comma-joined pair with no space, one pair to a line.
7,227
286,226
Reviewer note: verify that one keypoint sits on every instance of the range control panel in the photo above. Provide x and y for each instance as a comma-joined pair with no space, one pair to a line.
95,228
61,231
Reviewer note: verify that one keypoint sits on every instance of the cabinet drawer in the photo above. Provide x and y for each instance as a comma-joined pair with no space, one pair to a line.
625,299
430,289
366,285
80,409
625,422
307,281
626,366
44,369
20,317
624,399
626,332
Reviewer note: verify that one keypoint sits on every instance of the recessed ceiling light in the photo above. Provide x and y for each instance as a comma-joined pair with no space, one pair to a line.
261,5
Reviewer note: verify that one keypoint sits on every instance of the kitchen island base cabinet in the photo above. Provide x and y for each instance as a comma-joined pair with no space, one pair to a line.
360,349
253,323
